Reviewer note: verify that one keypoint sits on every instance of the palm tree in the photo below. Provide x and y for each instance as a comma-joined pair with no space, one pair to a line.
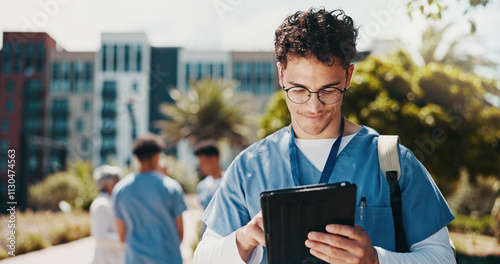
211,109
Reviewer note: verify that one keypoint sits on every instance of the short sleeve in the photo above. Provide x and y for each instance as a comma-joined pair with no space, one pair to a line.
178,205
227,210
117,209
425,210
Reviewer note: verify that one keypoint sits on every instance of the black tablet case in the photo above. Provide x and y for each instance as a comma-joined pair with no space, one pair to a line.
290,214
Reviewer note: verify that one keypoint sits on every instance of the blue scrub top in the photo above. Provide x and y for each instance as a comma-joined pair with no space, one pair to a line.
266,165
148,204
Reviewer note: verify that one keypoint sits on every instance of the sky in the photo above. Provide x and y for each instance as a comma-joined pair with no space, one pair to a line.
239,25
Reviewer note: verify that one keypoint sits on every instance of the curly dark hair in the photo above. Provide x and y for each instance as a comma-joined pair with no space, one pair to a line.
207,147
324,34
145,146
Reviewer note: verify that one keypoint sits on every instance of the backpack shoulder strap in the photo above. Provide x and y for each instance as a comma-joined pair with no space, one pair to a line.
388,154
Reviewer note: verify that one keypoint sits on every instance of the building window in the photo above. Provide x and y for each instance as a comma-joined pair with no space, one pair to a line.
17,62
29,55
139,58
237,69
80,125
104,58
40,50
6,57
33,162
10,86
222,70
66,81
86,106
5,145
127,58
77,76
199,72
109,89
54,83
134,87
188,73
9,106
5,126
115,57
211,70
258,69
88,76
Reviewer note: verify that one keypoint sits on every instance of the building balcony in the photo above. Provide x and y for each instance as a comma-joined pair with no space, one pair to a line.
109,113
60,112
108,131
59,131
108,93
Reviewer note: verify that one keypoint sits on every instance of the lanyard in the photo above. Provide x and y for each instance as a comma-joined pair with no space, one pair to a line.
330,162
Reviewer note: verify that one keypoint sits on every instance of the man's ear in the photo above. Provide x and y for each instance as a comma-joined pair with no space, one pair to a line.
280,73
350,70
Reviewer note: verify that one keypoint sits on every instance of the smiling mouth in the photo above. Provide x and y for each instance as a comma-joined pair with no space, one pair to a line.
313,117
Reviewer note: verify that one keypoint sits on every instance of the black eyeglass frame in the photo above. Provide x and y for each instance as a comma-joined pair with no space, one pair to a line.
319,97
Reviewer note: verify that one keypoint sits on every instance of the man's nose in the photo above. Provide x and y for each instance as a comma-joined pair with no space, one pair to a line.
314,104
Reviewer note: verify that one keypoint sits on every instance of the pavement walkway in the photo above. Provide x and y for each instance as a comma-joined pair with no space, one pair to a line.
79,251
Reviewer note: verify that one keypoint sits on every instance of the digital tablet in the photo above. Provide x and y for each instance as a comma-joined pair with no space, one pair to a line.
290,214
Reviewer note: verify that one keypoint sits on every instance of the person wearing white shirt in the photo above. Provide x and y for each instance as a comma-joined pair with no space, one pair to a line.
108,247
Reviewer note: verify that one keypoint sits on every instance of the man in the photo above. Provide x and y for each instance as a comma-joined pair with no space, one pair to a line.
314,49
108,247
148,208
208,163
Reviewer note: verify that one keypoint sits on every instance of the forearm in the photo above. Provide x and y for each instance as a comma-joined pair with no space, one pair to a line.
435,249
216,249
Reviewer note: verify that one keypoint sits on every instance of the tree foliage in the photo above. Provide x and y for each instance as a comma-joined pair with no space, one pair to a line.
74,186
211,109
433,38
433,9
440,112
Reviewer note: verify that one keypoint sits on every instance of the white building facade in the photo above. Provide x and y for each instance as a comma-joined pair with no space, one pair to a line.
121,96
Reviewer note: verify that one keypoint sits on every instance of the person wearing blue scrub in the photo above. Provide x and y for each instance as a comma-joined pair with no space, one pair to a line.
314,49
209,166
148,208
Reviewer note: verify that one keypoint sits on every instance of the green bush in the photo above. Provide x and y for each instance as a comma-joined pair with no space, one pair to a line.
57,187
75,186
39,230
468,224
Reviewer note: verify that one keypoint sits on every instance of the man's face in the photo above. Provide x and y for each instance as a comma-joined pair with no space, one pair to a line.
207,164
313,119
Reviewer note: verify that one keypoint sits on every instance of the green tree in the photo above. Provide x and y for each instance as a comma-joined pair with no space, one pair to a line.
211,109
432,39
440,112
433,9
275,117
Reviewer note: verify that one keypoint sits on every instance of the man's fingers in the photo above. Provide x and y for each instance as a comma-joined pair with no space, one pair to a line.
326,250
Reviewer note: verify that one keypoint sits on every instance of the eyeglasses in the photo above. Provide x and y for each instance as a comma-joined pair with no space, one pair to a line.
328,95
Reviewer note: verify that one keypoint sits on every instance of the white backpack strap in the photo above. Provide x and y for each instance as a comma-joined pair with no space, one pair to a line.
388,154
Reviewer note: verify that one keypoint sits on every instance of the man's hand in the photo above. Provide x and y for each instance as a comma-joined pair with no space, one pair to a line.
342,244
249,236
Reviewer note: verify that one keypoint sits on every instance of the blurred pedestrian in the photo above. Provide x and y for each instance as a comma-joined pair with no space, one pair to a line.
209,166
108,247
148,208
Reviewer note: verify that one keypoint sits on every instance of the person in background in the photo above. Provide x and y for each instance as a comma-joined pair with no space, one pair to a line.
162,167
148,208
209,166
108,247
